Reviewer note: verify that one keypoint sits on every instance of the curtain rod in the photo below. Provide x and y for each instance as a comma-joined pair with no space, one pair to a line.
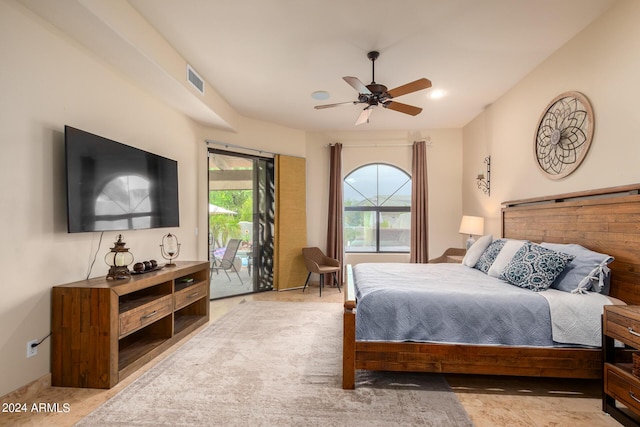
428,141
227,145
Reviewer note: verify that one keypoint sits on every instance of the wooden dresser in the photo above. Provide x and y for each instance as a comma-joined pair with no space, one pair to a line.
622,323
103,330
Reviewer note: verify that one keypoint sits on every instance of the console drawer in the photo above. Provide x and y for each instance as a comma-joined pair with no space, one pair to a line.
186,296
139,317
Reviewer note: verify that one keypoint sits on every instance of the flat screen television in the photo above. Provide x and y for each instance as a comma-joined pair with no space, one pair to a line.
112,186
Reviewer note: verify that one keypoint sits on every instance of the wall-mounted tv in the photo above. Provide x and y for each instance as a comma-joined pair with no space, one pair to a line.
112,186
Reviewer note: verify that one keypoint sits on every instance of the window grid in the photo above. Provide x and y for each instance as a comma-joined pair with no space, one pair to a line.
377,223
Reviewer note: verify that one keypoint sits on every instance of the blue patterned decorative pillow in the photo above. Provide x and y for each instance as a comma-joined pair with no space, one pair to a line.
489,255
534,267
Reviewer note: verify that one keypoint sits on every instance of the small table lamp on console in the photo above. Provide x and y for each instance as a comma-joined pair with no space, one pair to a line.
118,259
471,225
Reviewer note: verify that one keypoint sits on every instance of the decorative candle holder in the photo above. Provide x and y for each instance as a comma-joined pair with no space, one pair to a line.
170,248
118,259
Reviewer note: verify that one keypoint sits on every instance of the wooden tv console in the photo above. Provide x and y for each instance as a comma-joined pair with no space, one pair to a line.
103,330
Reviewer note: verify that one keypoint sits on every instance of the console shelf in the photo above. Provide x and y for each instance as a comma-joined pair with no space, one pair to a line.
103,330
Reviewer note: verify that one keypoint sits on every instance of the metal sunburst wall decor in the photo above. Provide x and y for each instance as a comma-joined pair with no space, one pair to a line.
564,134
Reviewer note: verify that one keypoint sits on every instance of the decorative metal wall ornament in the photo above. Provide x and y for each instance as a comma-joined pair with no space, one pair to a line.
484,181
564,134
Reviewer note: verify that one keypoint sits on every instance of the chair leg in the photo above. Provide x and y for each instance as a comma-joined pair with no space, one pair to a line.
321,283
306,281
335,279
234,269
225,272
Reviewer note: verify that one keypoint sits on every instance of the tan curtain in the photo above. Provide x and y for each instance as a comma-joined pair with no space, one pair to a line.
419,205
289,270
335,246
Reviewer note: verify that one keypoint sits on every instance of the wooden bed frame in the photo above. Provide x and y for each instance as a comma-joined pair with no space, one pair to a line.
605,220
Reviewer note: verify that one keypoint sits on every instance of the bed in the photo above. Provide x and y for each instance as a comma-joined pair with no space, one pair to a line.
605,220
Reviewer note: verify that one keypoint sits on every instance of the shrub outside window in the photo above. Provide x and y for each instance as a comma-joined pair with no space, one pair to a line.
377,205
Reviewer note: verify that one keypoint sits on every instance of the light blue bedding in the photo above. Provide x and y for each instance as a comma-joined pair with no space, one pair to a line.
449,303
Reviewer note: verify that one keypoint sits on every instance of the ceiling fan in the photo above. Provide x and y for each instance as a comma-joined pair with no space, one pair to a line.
376,94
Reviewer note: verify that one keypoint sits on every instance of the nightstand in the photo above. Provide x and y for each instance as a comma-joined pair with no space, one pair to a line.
455,258
622,323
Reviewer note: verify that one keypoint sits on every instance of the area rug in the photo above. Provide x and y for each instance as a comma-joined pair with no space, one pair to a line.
275,364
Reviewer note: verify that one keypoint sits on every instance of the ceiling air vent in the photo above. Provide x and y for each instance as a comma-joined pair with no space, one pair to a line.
195,79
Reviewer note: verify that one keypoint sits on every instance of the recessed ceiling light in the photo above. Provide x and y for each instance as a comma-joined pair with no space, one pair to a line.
320,95
437,94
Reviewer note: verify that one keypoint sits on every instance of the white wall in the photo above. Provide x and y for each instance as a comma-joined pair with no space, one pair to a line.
444,157
603,63
48,80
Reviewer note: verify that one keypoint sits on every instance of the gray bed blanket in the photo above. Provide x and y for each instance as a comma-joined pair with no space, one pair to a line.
448,303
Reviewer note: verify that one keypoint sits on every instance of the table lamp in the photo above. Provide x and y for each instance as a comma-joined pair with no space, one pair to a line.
471,225
118,260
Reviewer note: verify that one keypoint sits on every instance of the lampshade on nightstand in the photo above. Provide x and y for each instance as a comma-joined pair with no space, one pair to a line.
471,225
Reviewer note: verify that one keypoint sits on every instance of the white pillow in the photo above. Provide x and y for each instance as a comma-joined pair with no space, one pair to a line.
475,251
506,254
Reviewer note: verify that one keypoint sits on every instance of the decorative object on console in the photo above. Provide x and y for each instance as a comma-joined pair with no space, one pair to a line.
471,225
564,134
170,248
484,184
118,259
145,267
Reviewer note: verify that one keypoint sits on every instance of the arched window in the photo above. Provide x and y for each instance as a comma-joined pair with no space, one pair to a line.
377,205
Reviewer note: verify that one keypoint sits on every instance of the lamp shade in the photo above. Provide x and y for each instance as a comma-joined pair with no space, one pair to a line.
472,225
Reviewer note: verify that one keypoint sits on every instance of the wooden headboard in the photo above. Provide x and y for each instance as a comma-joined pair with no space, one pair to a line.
605,220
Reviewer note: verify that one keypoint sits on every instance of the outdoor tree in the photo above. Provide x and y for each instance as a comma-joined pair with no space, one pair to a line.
225,226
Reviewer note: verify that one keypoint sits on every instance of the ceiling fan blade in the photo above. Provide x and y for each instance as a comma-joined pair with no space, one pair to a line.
320,107
357,85
403,108
409,87
364,116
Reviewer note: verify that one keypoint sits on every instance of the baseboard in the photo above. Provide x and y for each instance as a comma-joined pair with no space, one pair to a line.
29,391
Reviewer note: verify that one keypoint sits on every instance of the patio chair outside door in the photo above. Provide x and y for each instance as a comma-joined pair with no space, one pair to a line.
228,260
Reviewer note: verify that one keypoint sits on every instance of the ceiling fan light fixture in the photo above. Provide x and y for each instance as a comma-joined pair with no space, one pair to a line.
320,95
364,115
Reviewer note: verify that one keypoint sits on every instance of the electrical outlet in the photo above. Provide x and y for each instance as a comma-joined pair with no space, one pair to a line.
32,349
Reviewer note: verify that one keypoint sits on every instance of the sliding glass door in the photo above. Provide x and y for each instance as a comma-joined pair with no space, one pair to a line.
241,218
